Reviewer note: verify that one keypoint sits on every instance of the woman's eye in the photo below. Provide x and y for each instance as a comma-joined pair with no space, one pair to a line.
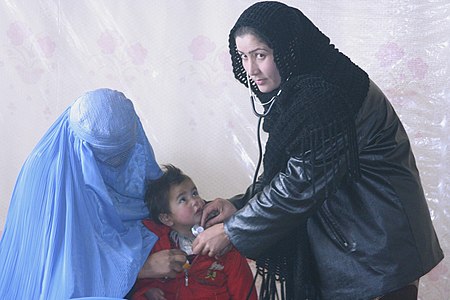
243,56
260,56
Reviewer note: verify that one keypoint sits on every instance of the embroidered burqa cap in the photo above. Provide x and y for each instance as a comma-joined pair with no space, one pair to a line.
74,222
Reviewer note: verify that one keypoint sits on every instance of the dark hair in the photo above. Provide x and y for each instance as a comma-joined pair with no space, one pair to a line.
243,30
157,194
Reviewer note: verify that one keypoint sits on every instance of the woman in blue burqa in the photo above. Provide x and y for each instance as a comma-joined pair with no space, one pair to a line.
74,222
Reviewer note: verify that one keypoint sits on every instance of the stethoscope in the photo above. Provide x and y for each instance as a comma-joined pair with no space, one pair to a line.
254,99
271,102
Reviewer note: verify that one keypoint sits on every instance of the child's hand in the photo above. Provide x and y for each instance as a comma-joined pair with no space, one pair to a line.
155,294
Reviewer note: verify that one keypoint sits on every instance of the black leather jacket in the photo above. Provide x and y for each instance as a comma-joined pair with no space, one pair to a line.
369,237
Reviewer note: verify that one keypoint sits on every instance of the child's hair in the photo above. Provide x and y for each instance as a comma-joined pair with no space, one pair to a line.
157,194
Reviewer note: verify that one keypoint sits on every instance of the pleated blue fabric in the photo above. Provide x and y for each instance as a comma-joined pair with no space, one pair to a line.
74,227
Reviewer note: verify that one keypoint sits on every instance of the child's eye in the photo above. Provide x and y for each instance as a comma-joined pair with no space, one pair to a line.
181,200
195,193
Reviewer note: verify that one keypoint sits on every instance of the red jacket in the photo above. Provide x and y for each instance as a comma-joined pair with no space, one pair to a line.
228,277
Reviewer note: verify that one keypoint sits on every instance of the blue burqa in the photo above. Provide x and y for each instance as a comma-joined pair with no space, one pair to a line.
74,222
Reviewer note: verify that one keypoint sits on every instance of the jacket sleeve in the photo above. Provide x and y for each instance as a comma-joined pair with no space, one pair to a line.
240,200
239,277
289,199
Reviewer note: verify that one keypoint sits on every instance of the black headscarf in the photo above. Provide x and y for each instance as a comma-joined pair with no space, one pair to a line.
322,91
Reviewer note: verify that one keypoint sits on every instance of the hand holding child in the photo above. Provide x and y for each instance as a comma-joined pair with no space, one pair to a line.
164,263
155,294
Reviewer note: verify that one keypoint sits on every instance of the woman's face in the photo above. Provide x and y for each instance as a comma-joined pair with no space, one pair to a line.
258,62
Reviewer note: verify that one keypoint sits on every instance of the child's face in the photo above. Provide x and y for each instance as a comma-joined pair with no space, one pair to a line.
186,208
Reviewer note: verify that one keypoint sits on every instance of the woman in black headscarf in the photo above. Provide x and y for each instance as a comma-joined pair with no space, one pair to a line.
339,211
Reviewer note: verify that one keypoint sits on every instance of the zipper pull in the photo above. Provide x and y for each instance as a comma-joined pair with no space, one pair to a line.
186,268
186,278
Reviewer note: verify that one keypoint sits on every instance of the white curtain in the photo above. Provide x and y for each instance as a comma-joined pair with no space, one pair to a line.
171,58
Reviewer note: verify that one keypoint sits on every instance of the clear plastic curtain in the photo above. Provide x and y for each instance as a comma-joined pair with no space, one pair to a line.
171,58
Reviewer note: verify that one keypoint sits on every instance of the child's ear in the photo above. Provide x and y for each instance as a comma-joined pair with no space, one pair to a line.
166,219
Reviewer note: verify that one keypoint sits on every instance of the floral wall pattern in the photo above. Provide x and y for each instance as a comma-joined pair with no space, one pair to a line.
171,58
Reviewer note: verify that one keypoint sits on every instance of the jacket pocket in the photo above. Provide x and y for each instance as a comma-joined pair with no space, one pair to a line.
334,231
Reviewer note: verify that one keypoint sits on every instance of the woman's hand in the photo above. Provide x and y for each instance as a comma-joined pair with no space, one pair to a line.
155,294
163,264
212,242
216,211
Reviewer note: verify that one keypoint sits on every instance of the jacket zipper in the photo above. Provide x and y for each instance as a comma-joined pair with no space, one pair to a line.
333,227
187,265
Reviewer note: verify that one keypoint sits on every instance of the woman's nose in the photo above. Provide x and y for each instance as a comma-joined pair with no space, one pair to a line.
252,67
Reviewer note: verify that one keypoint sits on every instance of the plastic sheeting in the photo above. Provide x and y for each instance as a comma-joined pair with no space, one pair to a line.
171,59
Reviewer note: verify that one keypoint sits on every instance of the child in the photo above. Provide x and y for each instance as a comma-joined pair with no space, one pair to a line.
175,207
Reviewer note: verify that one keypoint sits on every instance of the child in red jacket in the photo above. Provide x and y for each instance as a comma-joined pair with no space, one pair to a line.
176,207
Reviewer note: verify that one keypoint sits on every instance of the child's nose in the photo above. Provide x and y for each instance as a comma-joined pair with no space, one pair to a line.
197,202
